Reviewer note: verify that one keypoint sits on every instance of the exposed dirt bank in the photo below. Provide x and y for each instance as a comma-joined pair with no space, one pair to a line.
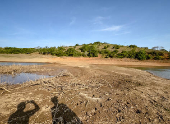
79,61
88,93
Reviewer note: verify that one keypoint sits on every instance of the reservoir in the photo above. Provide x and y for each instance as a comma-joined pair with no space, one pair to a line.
160,71
163,72
21,63
22,77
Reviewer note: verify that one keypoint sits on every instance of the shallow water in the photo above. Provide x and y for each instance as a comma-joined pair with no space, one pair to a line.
20,78
21,63
163,72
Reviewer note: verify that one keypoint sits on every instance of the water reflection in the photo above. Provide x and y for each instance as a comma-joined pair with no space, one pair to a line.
21,63
61,114
20,78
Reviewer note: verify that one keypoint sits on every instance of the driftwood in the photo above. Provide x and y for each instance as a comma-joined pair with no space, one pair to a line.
2,88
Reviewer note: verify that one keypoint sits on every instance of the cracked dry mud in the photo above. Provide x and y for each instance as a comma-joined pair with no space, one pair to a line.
96,94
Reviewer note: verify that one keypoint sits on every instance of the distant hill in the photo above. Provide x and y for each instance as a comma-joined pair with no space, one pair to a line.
95,49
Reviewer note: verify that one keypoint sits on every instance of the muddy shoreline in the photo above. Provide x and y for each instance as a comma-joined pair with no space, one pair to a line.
94,90
94,93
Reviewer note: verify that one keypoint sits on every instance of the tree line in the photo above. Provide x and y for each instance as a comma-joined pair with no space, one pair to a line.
93,50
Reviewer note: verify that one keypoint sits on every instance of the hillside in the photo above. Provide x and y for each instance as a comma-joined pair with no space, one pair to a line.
104,50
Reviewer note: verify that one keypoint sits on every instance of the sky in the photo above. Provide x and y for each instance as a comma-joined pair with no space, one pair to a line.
33,23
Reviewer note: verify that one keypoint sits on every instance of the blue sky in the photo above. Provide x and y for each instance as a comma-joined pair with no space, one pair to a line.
32,23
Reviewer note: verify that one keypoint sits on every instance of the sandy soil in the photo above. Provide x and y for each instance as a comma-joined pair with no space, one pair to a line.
86,92
79,61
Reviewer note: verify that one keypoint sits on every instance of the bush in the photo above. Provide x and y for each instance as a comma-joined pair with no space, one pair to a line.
83,54
148,57
61,48
71,52
105,47
123,54
141,55
163,50
112,54
169,55
132,46
93,52
116,47
115,51
157,57
60,53
156,53
84,48
132,53
97,43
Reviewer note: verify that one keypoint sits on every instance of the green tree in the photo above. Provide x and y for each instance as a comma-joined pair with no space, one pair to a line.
132,46
84,48
123,54
141,55
116,47
113,53
93,52
132,53
72,52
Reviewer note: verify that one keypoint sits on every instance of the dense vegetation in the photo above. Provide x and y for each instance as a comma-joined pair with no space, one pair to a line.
94,49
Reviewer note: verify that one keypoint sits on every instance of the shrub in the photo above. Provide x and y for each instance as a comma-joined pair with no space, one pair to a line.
132,53
115,51
123,54
157,57
83,54
60,53
93,52
116,47
156,53
97,43
61,48
84,48
112,54
163,50
169,55
71,52
148,57
105,47
141,55
132,46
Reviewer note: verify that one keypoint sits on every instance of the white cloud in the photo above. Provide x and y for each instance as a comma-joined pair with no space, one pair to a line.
22,31
127,32
73,20
106,8
99,19
112,28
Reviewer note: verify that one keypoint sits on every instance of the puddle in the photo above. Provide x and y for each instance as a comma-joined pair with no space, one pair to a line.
160,71
21,63
21,78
